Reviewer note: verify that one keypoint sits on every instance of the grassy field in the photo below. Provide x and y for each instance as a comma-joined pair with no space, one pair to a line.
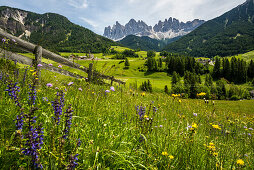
119,128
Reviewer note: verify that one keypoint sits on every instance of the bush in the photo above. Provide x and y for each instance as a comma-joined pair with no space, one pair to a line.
235,97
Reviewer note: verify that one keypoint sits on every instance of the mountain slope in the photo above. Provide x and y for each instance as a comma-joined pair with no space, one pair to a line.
231,33
145,43
170,28
52,31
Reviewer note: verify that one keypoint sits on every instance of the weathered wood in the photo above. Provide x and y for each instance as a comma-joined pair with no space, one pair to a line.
27,46
13,56
90,72
37,62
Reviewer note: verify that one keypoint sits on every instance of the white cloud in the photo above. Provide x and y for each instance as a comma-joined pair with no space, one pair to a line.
90,22
78,3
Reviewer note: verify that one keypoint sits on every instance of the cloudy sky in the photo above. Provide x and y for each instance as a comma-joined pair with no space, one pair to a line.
97,14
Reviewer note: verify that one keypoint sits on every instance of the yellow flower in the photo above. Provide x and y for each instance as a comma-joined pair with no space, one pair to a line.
179,101
164,153
194,125
145,116
216,127
211,144
215,153
240,162
143,94
171,157
34,73
32,70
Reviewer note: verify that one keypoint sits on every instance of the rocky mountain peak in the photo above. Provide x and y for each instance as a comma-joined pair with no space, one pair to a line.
169,28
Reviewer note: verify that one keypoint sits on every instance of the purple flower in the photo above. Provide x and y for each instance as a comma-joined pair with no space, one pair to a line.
195,114
39,65
80,89
107,91
72,160
60,66
249,134
68,118
32,94
13,40
3,40
250,129
160,126
70,83
58,106
141,111
112,88
245,127
50,64
49,85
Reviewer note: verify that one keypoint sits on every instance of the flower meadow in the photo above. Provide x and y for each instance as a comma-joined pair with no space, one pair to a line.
63,123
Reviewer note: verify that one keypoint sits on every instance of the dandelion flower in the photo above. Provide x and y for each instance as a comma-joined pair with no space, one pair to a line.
171,157
164,153
240,162
216,127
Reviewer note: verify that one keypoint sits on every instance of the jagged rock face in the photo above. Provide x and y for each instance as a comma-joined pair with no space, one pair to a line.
168,29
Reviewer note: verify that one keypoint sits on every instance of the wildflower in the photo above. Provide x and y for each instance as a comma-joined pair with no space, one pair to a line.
141,111
171,157
68,118
195,114
143,94
3,40
72,164
44,98
112,88
49,85
70,83
201,94
60,66
180,101
164,153
250,128
145,116
240,162
58,105
32,94
80,89
107,91
161,126
50,64
215,153
13,40
39,65
194,125
216,127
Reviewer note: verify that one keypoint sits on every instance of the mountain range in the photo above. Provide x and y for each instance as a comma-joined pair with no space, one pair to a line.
170,28
52,31
229,34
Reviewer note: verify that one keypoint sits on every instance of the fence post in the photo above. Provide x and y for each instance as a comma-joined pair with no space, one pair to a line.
112,80
90,72
38,55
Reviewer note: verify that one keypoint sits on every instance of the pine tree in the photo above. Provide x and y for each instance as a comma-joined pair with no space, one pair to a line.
126,63
216,69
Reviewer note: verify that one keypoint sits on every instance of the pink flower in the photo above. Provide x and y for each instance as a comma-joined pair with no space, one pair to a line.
50,64
60,66
49,85
69,84
39,65
80,89
112,88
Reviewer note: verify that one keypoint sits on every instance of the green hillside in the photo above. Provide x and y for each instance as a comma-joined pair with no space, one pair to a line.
145,43
231,33
54,32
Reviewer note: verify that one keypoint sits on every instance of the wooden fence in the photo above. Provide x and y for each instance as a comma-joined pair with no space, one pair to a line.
40,52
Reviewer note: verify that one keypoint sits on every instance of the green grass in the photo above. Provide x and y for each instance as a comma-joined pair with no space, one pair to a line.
114,137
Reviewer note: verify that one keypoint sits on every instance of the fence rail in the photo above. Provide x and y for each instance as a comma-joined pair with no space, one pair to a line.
40,52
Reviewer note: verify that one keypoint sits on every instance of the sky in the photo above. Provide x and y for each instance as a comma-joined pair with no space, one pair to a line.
98,14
